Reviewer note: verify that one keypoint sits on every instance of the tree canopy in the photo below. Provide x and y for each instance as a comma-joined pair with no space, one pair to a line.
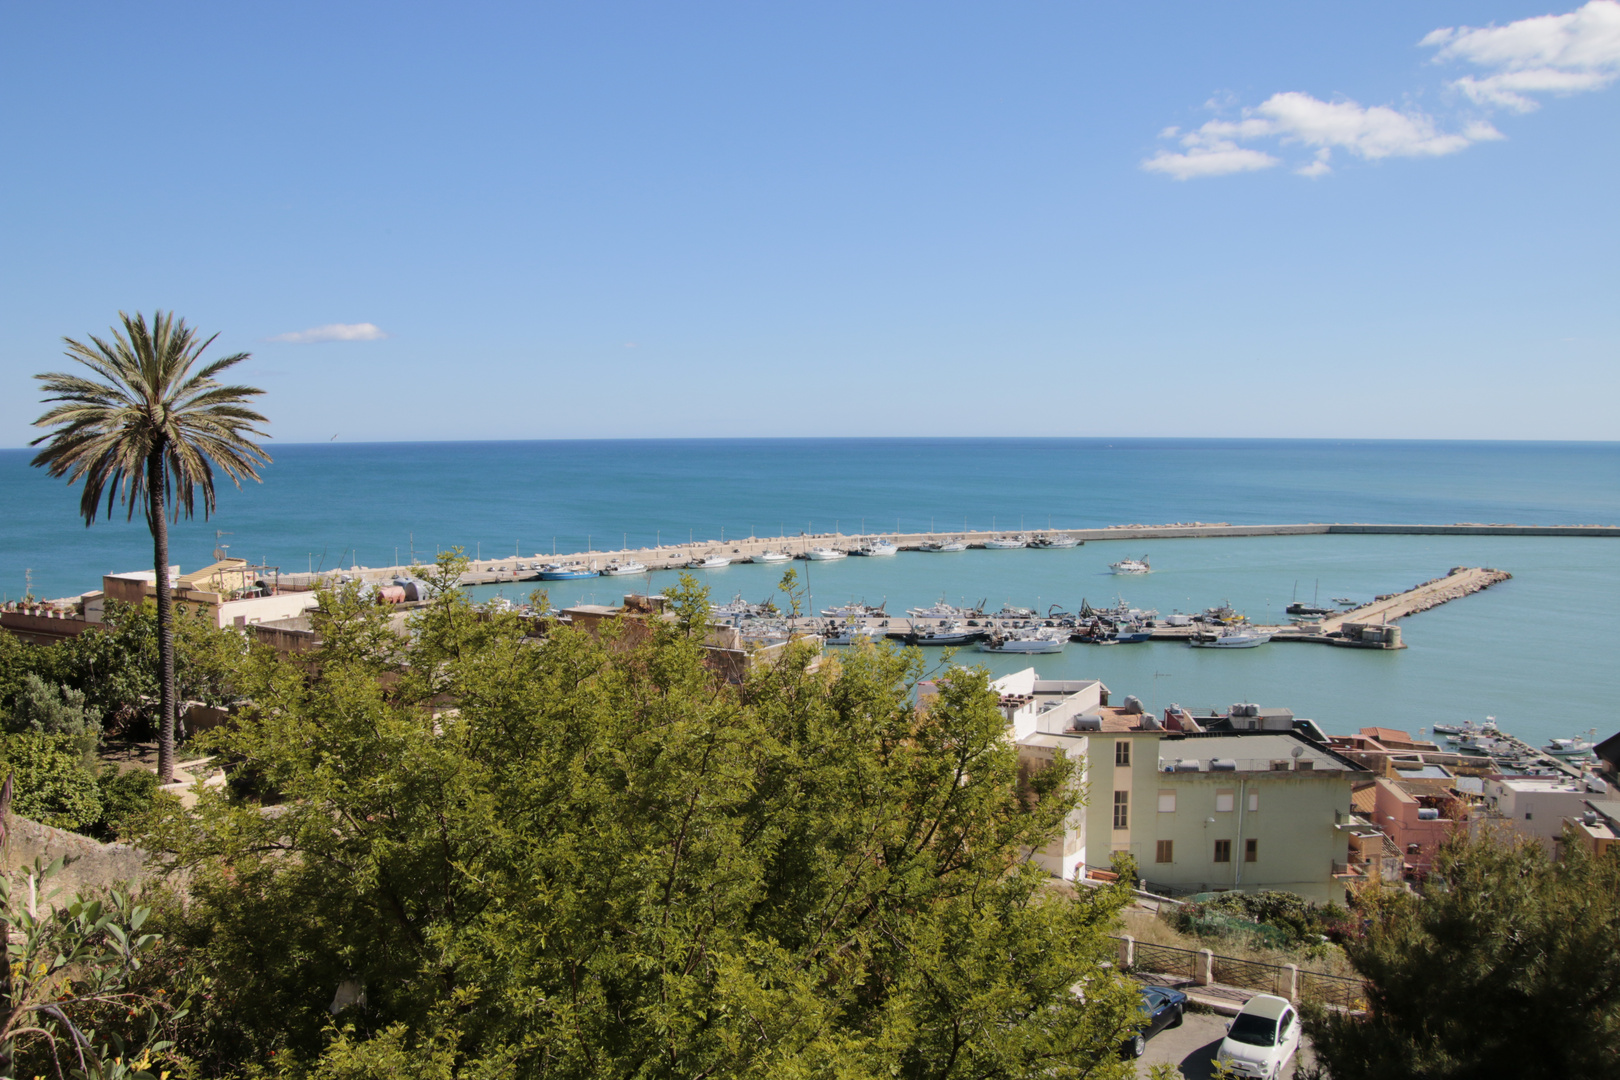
592,857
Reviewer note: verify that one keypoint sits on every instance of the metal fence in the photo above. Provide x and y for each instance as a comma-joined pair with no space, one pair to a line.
1333,990
1250,975
1166,960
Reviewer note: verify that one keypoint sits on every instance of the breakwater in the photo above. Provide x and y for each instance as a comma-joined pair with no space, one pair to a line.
672,556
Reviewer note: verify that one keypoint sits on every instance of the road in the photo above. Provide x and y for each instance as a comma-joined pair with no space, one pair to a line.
1191,1047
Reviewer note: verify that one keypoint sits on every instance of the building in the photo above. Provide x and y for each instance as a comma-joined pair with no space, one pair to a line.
1597,827
1252,808
1537,806
230,592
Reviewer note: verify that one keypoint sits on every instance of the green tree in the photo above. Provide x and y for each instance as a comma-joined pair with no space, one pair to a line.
49,709
53,786
592,857
146,430
1506,966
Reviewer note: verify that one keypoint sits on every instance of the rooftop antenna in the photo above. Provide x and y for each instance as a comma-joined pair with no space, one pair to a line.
221,551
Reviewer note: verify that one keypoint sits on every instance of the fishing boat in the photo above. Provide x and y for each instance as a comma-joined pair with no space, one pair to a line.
1485,745
850,633
769,557
1225,615
709,562
1571,748
1013,611
1026,642
1055,542
623,569
825,554
950,632
1131,566
942,610
1230,637
1468,727
1006,543
1132,634
876,549
943,545
857,611
565,571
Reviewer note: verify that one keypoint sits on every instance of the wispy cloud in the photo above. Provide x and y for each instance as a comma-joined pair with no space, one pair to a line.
1558,54
363,331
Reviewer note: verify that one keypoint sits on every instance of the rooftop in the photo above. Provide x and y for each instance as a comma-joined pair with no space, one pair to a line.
1260,751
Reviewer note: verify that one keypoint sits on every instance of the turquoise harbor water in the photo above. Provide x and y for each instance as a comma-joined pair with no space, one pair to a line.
1536,652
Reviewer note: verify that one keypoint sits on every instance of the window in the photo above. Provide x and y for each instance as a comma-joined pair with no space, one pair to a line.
1164,851
1167,802
1251,850
1122,752
1304,765
1254,801
1224,801
1122,809
1280,766
1223,851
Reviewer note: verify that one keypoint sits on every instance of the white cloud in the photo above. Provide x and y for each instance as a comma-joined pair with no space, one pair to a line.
333,332
1558,54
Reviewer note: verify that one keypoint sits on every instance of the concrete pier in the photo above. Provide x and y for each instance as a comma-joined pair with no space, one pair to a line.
672,556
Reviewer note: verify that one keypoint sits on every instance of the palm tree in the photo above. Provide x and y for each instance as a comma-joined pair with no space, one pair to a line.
147,431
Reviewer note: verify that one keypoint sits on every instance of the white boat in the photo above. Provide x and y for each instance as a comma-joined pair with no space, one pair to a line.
1055,542
857,611
1013,611
1572,748
769,557
847,634
1029,642
1131,566
623,569
876,549
947,633
1468,727
1230,637
825,554
709,562
1485,744
942,610
947,545
1006,543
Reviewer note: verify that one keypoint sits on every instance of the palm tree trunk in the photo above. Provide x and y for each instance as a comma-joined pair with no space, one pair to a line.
165,614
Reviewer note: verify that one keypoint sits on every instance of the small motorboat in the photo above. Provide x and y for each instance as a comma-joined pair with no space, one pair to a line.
1468,727
942,610
1055,542
565,571
876,549
709,562
769,557
1230,637
857,611
825,554
943,545
1573,747
1006,543
1132,566
1132,634
623,569
850,633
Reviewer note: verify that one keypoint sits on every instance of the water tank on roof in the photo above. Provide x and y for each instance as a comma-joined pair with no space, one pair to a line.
1088,723
1428,813
1186,766
1223,764
1133,705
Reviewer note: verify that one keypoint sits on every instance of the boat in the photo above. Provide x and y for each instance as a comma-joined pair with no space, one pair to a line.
943,545
1028,642
825,554
1468,727
1486,745
709,562
951,632
849,634
1132,634
565,571
1013,611
1131,566
857,611
876,549
1225,615
1571,748
1230,637
623,569
738,608
1055,542
1006,543
769,557
1309,610
942,610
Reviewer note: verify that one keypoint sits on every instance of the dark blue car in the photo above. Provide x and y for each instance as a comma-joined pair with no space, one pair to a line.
1164,1008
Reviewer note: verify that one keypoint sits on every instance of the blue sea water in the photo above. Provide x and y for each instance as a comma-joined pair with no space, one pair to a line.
1536,651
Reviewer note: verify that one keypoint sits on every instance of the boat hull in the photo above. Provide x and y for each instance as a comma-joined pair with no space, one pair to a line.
566,575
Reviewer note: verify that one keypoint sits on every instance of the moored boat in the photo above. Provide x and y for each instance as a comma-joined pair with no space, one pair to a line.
857,611
769,557
709,562
1006,543
1132,566
565,571
1028,642
943,545
1055,542
947,633
825,554
1230,637
876,549
850,633
623,569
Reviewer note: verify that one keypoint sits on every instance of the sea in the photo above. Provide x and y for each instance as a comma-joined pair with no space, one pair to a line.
1537,652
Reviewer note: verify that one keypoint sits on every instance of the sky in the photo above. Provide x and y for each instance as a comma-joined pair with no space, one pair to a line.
621,219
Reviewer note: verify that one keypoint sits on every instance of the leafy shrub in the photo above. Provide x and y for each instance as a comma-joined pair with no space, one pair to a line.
52,785
126,798
1270,917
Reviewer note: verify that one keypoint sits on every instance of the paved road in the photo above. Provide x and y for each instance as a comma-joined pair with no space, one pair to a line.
1191,1047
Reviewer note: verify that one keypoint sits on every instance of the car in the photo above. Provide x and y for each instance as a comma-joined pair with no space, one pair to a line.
1261,1038
1164,1008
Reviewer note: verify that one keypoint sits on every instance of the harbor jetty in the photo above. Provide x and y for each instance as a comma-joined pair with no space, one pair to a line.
673,556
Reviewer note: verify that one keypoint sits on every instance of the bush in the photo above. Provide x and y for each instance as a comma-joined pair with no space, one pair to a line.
52,785
126,798
1272,917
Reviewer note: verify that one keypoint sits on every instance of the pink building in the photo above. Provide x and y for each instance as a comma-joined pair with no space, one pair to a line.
1418,824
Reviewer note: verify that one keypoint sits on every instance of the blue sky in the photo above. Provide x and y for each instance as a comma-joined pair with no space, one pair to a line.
622,219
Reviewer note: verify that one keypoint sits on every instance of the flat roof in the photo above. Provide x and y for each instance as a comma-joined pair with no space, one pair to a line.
1251,751
1528,784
